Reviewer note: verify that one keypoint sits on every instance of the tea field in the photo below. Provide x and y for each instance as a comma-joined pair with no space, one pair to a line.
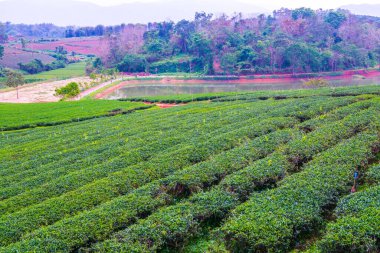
20,116
229,172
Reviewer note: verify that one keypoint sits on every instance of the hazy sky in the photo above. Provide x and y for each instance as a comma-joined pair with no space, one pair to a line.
73,12
270,4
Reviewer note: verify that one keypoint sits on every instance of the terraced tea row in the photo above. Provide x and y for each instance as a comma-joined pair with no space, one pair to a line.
255,171
273,220
358,226
121,182
23,116
119,140
115,164
63,135
317,110
160,229
123,154
32,153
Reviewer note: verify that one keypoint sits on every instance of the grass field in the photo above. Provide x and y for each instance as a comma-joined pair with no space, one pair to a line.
72,70
252,172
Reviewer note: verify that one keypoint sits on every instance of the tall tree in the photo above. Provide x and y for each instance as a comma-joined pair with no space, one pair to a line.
200,46
115,54
335,18
302,13
183,30
228,63
296,55
1,52
14,80
23,43
3,34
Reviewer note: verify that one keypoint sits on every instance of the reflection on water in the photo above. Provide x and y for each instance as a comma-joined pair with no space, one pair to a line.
158,89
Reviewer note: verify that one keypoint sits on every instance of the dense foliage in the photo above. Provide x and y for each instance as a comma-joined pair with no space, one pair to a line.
53,31
260,170
37,66
289,41
1,51
99,30
69,91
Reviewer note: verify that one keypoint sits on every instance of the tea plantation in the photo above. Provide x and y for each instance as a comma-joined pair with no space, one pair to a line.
227,172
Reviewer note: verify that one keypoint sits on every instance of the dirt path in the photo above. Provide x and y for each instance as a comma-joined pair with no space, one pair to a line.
36,93
96,88
164,105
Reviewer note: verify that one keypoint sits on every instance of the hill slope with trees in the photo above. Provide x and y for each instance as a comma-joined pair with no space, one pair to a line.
289,41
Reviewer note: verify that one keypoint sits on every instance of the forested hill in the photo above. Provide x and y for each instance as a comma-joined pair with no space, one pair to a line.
287,41
300,40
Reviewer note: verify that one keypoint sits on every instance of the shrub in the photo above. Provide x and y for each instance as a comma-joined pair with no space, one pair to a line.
37,66
316,83
186,65
132,63
69,91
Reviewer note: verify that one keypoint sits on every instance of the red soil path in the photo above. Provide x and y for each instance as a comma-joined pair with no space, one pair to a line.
109,91
163,105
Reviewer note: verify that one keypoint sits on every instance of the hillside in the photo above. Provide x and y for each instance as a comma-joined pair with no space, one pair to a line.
266,171
289,41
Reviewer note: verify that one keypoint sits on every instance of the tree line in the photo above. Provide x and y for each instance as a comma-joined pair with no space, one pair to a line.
53,31
289,41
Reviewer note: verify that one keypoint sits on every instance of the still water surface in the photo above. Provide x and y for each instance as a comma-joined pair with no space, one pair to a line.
143,89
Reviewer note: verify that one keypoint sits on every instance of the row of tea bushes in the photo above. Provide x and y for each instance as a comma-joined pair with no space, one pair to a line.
273,220
30,218
118,156
173,224
357,228
118,183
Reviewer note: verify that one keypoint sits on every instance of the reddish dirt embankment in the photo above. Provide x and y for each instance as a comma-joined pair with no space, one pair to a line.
163,105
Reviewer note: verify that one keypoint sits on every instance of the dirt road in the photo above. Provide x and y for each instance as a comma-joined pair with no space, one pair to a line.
96,88
40,92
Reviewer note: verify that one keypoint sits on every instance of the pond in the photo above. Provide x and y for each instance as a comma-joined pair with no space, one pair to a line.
162,88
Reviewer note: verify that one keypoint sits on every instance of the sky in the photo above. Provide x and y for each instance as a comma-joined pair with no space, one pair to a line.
112,12
269,4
